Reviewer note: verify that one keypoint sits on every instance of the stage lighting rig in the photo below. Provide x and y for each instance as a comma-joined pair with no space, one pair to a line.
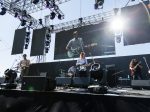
27,40
47,40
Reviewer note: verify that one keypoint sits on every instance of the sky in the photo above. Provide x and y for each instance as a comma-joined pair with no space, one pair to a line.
72,9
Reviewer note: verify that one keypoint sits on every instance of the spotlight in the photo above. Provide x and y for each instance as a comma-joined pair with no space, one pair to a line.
23,22
24,13
35,1
117,24
98,3
52,16
26,46
59,16
46,50
27,40
48,36
30,24
47,3
16,14
40,21
3,11
27,34
47,43
52,27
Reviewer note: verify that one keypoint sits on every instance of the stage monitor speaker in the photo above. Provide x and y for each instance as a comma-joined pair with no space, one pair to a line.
40,83
140,84
62,81
81,81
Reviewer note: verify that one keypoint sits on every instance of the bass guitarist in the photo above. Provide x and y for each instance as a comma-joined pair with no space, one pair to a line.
135,69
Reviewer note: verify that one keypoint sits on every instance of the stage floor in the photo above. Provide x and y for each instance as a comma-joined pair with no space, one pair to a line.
128,92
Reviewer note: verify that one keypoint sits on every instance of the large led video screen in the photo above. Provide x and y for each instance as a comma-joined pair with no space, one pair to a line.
137,27
94,40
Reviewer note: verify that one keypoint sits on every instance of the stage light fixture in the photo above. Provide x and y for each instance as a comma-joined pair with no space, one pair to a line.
47,43
16,14
40,22
26,46
47,3
30,23
98,3
35,1
24,13
52,16
27,40
48,36
23,22
3,11
59,16
52,27
46,49
117,24
27,34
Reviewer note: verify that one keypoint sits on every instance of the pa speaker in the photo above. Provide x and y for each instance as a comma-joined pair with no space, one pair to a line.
40,83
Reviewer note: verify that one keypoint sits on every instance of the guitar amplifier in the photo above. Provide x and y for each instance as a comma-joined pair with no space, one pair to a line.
40,83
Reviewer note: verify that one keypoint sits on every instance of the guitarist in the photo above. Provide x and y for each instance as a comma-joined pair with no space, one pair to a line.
75,45
24,66
135,69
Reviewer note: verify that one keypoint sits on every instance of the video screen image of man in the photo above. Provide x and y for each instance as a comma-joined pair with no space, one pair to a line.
75,45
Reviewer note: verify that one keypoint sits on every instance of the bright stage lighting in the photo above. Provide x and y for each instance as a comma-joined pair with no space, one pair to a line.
117,24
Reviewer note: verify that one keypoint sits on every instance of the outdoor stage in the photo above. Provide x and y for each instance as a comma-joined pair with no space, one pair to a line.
75,100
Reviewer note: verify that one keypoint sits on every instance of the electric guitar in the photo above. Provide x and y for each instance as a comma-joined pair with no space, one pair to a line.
76,51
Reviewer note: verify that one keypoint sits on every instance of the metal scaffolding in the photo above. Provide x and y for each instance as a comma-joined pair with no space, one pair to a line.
93,19
24,8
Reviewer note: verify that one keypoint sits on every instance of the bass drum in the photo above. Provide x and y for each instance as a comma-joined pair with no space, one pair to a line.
95,67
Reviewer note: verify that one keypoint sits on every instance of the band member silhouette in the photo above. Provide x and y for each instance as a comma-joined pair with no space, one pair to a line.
135,69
